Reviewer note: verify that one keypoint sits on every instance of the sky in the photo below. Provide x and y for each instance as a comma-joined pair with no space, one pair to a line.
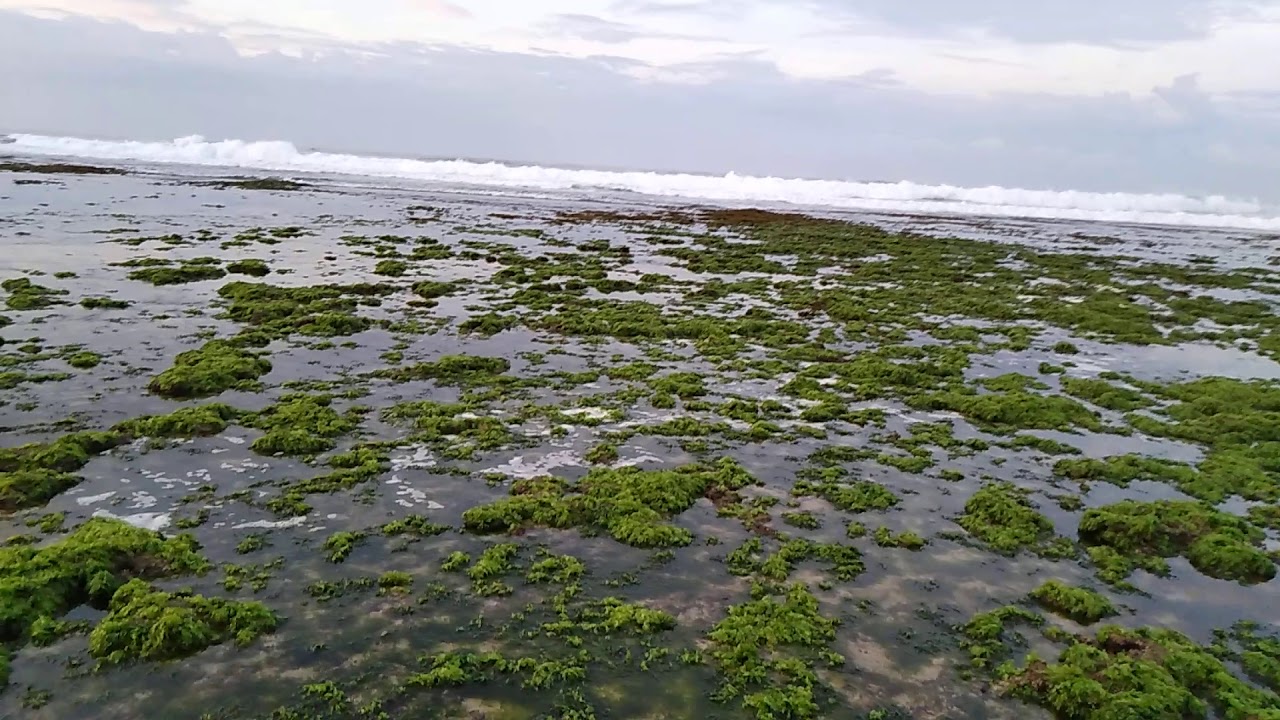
1142,95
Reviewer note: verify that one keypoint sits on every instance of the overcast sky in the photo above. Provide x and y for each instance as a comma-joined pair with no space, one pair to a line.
1154,95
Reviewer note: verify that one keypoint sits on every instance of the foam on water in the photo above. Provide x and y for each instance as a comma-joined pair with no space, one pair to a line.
907,197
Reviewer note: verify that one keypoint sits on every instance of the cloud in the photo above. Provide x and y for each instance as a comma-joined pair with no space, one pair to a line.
986,47
442,8
1047,21
743,113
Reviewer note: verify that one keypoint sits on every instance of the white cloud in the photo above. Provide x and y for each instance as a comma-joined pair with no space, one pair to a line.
1232,50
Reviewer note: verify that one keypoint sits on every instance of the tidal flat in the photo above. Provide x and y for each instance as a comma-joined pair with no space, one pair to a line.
308,449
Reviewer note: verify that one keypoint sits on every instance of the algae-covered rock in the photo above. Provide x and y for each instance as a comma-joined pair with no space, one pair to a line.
1135,534
149,625
210,370
630,504
33,474
87,566
1083,605
1002,516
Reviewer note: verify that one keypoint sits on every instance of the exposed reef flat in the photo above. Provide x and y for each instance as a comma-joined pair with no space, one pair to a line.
288,448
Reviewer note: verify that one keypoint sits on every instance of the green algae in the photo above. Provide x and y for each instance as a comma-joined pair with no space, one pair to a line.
395,583
88,566
188,271
26,295
766,650
253,543
857,497
750,559
210,370
144,624
466,370
492,564
1008,412
350,469
1258,655
188,422
629,504
252,267
340,545
1145,672
391,268
985,637
313,311
104,303
59,168
1083,605
33,474
416,526
1105,395
13,378
266,183
1002,516
487,325
299,424
1124,469
84,360
802,520
433,289
1131,534
1239,423
602,454
906,539
1044,445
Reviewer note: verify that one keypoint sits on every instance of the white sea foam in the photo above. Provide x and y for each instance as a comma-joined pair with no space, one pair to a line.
280,156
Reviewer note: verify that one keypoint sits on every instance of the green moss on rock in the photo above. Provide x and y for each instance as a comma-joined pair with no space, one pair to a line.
632,505
1083,605
31,475
26,295
210,370
149,625
188,422
1143,673
86,567
252,267
299,424
1135,534
1002,516
187,272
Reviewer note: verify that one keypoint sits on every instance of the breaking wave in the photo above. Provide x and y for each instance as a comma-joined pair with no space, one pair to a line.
899,197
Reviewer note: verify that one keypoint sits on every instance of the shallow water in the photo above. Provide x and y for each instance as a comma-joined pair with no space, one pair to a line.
897,617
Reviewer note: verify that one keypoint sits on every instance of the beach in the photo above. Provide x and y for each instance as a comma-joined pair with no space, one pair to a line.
339,447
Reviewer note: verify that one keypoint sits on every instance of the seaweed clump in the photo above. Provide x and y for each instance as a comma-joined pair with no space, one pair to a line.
26,295
252,267
188,422
86,567
188,271
1002,516
1083,605
766,650
1148,673
984,636
452,370
316,311
31,475
299,424
1130,535
85,360
1012,411
210,370
104,303
629,504
149,625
